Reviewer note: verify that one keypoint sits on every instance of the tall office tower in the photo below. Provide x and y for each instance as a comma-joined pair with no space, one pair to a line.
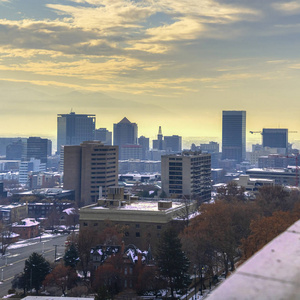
89,168
187,174
144,143
276,138
36,148
125,133
14,150
103,135
74,129
173,143
159,143
234,135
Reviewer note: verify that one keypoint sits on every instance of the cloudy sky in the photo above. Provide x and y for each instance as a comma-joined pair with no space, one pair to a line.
174,63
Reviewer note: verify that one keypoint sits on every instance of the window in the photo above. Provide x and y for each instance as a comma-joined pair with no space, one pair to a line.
158,227
137,234
85,224
137,225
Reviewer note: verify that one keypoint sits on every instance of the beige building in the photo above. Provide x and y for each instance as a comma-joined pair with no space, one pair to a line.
90,168
141,221
13,212
187,174
253,184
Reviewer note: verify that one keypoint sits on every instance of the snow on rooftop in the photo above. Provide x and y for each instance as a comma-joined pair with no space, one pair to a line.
267,170
69,211
141,205
27,223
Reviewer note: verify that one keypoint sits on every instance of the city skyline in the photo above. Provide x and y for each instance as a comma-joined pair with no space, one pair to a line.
158,63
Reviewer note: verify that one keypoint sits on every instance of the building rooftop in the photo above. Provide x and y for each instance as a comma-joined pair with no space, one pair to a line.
142,205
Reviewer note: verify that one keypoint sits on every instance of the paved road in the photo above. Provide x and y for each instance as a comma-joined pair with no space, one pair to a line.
14,262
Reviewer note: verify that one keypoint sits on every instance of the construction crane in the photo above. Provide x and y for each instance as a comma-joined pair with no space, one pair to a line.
296,156
252,132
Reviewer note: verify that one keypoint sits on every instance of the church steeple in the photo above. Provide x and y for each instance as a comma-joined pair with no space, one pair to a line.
159,131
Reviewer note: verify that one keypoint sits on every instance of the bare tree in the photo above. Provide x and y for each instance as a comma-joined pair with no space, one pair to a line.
6,237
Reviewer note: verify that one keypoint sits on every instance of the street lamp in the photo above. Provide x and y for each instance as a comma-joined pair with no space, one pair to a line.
200,270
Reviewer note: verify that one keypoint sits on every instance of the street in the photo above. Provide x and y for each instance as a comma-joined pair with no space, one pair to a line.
13,261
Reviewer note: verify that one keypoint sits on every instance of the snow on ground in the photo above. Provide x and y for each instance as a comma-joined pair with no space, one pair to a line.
8,296
36,240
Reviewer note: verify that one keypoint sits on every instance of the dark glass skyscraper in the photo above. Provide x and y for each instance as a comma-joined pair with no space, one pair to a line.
125,133
234,135
37,148
275,138
74,129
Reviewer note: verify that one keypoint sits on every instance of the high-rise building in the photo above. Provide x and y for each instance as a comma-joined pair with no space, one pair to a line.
234,135
275,138
36,148
125,133
173,143
212,148
103,135
73,129
4,142
15,149
89,169
187,174
144,143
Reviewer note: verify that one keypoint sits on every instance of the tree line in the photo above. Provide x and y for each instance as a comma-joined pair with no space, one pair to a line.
224,233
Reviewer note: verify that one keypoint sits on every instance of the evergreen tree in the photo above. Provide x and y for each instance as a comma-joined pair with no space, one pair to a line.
172,262
35,271
71,257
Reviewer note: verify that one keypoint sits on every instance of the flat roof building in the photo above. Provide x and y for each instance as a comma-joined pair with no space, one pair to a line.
89,168
73,129
284,176
275,138
234,135
142,220
187,174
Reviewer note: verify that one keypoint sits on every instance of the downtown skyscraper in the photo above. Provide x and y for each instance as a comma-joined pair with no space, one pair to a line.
73,129
234,135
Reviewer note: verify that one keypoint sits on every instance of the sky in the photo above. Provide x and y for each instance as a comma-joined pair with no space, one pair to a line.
174,63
